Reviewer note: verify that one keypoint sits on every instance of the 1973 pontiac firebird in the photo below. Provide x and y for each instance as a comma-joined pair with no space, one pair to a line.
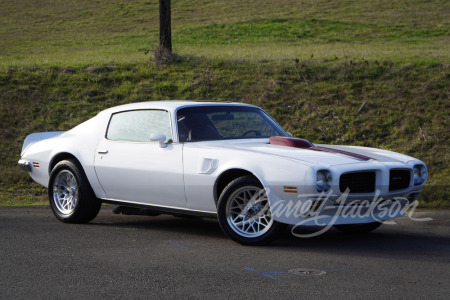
226,160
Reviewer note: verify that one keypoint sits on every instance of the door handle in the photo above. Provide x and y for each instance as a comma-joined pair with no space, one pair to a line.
102,151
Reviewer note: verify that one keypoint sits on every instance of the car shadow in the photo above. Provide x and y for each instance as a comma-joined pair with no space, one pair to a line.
386,241
186,225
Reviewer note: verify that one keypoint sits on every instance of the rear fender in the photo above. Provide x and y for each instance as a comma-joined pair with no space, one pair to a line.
36,137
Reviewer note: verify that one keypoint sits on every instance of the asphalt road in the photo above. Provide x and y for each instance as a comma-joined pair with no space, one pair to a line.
117,257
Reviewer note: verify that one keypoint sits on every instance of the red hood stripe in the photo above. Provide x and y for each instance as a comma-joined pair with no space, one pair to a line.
304,144
354,155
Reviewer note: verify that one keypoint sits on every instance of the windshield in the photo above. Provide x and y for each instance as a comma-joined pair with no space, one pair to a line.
208,123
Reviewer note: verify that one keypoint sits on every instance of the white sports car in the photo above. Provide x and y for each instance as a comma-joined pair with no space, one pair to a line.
226,160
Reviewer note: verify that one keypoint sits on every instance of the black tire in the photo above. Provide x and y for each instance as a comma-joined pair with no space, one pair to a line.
71,197
229,204
358,228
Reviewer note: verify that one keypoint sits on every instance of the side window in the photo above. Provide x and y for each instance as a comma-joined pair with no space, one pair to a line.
138,125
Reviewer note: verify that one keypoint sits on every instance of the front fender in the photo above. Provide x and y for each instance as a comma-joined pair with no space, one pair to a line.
274,172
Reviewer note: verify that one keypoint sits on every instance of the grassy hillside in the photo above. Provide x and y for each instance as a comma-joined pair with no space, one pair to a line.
71,33
311,64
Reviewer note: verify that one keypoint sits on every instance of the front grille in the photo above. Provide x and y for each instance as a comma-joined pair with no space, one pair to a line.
399,179
358,182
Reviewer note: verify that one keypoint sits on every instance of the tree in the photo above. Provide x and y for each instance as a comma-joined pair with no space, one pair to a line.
165,27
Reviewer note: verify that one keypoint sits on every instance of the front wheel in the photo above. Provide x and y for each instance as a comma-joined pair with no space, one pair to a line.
244,213
71,197
358,228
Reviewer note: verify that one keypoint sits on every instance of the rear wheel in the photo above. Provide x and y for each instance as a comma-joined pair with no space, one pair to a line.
244,213
358,228
71,197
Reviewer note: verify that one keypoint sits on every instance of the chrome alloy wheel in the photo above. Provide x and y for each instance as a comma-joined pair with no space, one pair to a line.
65,192
248,212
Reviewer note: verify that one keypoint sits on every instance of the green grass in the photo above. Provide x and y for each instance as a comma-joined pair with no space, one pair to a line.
311,64
309,31
74,33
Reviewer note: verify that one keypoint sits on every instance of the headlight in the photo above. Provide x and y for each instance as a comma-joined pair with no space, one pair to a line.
420,174
323,180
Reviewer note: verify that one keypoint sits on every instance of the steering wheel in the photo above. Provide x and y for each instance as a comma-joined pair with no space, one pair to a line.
256,132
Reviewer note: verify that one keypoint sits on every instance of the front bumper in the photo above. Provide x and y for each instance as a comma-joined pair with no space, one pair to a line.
323,212
24,165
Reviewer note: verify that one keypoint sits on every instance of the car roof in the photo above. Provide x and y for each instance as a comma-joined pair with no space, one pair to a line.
170,105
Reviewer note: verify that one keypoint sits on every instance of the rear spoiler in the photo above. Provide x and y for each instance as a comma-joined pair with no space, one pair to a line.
39,136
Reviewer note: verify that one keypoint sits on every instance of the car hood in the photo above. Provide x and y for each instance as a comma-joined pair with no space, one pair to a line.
333,154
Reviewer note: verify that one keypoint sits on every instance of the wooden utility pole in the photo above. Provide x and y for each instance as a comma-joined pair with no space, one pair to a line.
165,28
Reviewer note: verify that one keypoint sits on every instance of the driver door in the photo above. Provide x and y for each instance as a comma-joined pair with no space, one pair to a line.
131,168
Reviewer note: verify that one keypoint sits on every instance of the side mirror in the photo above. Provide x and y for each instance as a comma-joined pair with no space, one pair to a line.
161,138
